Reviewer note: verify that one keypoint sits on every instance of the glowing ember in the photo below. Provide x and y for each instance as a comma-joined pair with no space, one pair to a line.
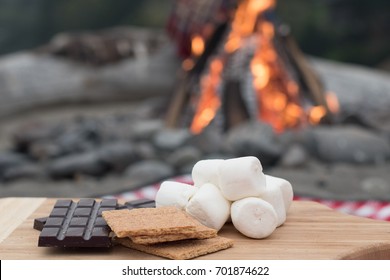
197,45
316,113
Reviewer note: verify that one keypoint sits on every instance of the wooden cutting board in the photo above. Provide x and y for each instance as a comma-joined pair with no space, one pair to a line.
312,231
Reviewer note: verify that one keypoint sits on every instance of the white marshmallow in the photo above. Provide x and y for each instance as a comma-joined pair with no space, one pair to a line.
285,187
254,217
241,177
206,171
174,194
274,196
209,207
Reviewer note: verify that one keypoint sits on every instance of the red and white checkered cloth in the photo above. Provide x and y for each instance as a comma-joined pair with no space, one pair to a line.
378,210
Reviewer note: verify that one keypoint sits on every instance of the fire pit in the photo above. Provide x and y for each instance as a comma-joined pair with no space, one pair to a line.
244,89
244,65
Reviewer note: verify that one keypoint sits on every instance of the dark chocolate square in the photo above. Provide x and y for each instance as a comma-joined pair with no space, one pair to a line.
59,212
82,212
86,202
78,222
100,231
108,203
50,232
100,222
63,203
54,222
75,232
103,209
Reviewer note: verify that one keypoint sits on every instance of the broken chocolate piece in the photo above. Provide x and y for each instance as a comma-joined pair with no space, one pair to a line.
39,223
140,203
77,224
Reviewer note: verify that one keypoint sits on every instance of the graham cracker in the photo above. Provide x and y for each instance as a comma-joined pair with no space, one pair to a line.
181,250
149,221
201,232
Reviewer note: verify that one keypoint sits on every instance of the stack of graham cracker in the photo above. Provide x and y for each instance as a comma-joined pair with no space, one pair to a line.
165,231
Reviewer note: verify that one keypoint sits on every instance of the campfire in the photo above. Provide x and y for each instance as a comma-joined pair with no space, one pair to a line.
243,65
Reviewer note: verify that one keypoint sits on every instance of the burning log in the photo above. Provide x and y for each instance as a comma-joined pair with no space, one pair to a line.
241,65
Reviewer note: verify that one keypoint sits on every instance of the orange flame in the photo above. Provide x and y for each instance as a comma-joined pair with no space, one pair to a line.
209,101
197,45
277,92
316,113
244,21
261,74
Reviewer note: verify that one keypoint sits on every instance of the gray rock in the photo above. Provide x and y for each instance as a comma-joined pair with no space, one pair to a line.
362,92
375,185
146,150
71,165
255,139
44,149
209,141
11,159
171,139
146,129
338,181
32,132
148,171
349,144
184,156
30,171
116,131
295,156
75,140
117,155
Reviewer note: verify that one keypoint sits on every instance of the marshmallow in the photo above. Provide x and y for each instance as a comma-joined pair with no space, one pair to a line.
174,194
274,196
241,177
206,171
209,207
254,217
284,186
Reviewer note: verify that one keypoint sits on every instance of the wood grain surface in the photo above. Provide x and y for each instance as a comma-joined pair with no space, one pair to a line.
312,231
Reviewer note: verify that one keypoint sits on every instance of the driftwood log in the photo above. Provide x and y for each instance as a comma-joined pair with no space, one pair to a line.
55,74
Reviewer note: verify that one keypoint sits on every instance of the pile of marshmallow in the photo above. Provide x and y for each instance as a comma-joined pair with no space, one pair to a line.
235,189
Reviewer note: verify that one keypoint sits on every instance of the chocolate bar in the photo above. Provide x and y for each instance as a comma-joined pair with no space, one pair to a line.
140,203
77,224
